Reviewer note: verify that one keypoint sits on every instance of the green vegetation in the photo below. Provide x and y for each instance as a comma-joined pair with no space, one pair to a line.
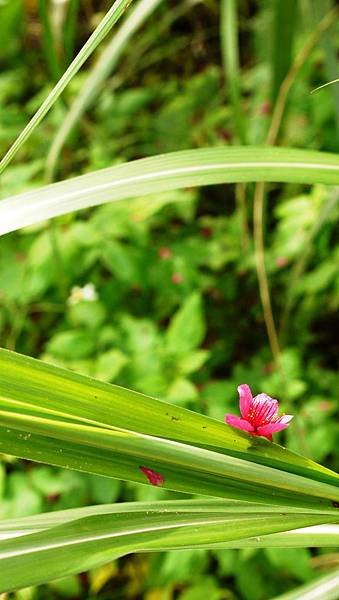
180,278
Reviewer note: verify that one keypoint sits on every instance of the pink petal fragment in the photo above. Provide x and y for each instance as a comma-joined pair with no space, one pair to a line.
245,399
278,425
238,423
153,477
285,419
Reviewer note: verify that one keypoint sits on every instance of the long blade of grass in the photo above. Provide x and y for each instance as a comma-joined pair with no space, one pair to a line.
322,588
48,41
26,525
331,59
70,29
105,64
300,265
284,22
55,416
86,541
230,55
315,536
94,40
184,468
205,166
320,87
325,535
258,204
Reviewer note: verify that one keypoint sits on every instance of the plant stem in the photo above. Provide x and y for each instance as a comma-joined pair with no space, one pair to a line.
259,194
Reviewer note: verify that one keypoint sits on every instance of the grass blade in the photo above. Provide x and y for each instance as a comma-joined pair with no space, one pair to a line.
285,18
205,166
97,76
230,55
70,545
55,416
97,36
323,588
315,536
70,29
40,522
331,60
48,41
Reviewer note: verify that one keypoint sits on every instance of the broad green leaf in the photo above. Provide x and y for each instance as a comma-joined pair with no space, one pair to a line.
71,541
187,328
204,166
56,416
109,364
72,344
193,361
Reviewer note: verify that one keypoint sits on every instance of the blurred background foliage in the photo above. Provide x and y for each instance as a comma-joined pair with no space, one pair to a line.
160,294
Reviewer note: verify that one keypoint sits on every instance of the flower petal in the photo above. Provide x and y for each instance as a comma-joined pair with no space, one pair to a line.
239,423
153,477
245,399
265,409
285,418
278,425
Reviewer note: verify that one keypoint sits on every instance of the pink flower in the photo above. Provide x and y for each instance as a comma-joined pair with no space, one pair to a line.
259,415
153,477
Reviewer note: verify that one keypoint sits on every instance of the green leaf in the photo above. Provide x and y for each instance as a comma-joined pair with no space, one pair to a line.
330,56
71,541
58,417
322,588
285,19
182,391
187,328
187,168
316,536
109,365
72,344
193,361
293,560
230,55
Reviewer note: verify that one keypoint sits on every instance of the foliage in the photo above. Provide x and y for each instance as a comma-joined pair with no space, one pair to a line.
175,311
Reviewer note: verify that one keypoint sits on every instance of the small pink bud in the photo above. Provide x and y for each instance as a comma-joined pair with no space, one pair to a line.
164,253
225,134
153,477
325,406
281,261
20,256
177,278
206,232
266,108
268,368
